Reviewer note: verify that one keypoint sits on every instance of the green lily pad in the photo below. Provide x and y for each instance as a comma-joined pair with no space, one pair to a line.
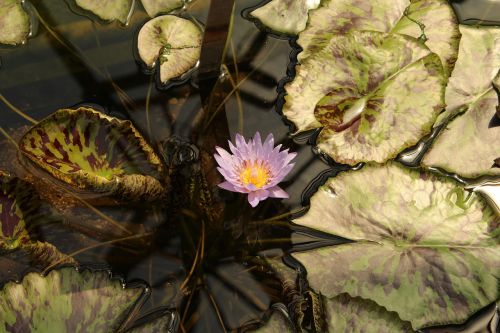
109,10
165,321
341,16
426,248
16,203
285,16
468,145
357,315
433,20
96,154
477,65
173,41
68,301
155,7
382,94
14,22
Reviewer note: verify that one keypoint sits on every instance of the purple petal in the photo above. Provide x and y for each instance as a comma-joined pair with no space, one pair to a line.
255,197
277,192
230,187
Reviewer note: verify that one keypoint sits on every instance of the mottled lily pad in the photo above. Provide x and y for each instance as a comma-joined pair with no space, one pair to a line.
356,315
109,10
155,7
432,20
173,41
426,248
285,16
164,321
477,65
382,93
468,145
16,202
14,22
67,301
96,154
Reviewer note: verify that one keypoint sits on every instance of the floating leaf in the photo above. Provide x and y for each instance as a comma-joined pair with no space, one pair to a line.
468,145
14,22
382,94
164,321
155,7
434,20
95,153
108,10
341,16
427,249
47,254
477,65
67,301
16,202
437,24
348,314
285,16
173,41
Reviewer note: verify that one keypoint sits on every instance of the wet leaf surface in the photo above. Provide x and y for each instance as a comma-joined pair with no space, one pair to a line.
285,16
108,10
67,301
155,7
277,323
419,238
383,94
14,22
172,41
477,65
96,153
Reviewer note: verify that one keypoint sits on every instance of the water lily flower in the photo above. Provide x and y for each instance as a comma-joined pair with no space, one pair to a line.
254,167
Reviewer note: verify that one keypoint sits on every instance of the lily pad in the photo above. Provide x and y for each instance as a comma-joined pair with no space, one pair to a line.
477,65
14,22
426,248
277,323
68,301
16,202
96,154
109,10
354,314
173,41
382,94
468,145
165,321
431,20
341,16
155,7
285,16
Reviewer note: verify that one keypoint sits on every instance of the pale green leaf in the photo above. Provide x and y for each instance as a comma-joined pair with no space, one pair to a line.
356,315
155,7
426,249
108,10
285,16
477,65
14,22
67,301
173,41
381,95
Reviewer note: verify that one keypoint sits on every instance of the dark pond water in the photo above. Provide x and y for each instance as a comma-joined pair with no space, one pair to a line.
199,258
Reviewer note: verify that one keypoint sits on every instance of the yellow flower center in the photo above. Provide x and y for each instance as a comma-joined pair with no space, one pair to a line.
254,173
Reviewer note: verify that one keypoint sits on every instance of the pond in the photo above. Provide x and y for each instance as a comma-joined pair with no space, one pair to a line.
112,218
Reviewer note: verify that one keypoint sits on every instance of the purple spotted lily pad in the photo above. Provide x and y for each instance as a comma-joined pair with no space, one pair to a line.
417,237
383,94
66,300
109,10
95,154
17,203
171,43
14,22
